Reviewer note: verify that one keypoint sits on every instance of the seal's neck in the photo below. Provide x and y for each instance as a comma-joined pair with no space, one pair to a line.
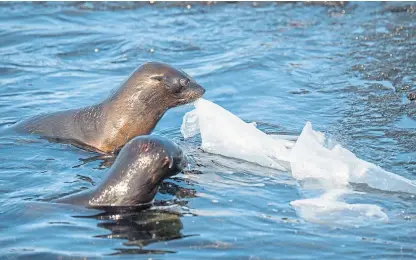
111,196
102,197
129,114
130,181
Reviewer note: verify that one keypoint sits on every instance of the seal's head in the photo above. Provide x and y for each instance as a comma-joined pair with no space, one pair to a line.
139,169
137,105
159,84
177,85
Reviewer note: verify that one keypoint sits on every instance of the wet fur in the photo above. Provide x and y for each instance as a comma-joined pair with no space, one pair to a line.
135,176
133,110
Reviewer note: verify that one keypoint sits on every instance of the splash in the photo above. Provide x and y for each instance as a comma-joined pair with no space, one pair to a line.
311,157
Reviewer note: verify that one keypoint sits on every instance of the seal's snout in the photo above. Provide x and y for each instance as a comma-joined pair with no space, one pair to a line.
192,93
181,163
181,87
199,90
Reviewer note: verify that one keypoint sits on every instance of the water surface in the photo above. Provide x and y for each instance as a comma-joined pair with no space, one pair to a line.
347,68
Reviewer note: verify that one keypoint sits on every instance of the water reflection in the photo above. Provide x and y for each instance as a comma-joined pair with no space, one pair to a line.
140,228
105,160
173,185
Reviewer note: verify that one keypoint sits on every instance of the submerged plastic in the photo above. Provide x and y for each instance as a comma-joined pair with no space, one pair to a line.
328,208
311,156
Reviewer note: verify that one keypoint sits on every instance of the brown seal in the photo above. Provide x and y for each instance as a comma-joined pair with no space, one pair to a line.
134,178
134,109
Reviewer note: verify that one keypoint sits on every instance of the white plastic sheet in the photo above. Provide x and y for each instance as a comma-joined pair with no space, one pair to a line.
336,167
311,157
316,157
226,134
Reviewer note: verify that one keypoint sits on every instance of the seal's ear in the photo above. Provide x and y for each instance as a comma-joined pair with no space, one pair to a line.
159,78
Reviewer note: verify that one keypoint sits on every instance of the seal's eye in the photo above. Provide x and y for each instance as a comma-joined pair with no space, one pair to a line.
184,82
159,78
171,83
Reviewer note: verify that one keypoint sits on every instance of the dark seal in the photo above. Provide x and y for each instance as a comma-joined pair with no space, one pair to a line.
135,177
133,110
411,96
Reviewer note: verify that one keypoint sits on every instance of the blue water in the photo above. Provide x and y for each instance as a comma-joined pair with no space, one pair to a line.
347,68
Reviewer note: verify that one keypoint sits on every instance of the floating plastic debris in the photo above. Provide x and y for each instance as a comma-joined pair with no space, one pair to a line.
315,156
226,134
311,156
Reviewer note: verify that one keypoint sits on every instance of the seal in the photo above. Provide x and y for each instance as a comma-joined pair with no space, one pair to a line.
134,178
411,96
133,109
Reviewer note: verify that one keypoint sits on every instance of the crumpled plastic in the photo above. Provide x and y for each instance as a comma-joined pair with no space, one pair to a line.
311,156
226,134
316,157
336,167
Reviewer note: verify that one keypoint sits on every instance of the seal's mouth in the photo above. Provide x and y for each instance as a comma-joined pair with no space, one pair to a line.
194,92
199,91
